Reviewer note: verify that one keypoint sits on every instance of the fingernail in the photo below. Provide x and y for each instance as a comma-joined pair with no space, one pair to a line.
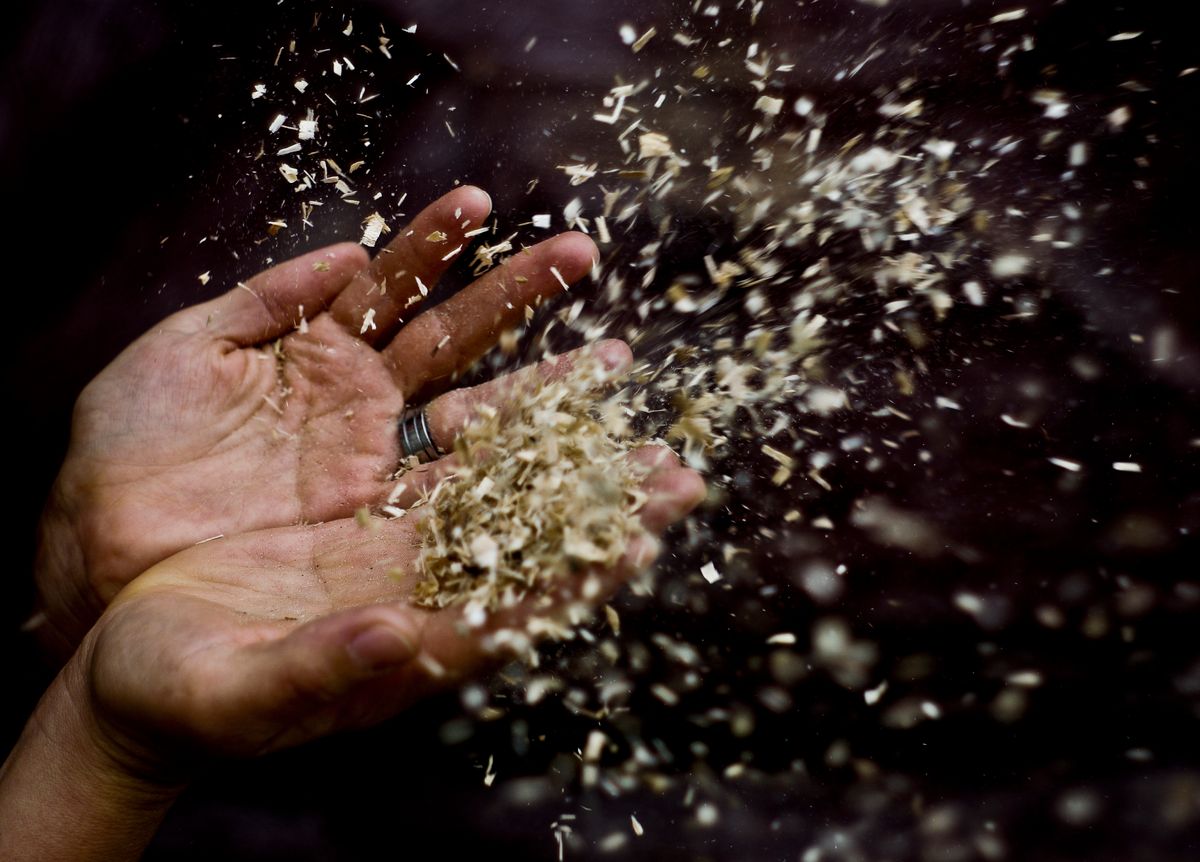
380,647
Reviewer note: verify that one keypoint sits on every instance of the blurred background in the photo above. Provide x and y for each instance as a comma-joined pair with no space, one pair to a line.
1053,626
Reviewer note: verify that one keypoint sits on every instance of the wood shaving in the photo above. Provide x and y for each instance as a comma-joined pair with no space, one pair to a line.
653,145
544,492
643,40
373,227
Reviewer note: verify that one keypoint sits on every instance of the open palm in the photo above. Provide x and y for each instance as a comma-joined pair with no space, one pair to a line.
276,404
269,639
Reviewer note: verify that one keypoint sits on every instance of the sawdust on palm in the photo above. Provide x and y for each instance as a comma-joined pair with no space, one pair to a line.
543,490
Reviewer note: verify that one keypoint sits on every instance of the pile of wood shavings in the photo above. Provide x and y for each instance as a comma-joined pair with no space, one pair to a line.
544,491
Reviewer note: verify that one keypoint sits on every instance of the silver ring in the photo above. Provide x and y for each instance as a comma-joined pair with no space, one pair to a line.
415,437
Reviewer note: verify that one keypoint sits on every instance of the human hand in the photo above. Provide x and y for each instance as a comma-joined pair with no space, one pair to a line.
252,644
269,639
276,404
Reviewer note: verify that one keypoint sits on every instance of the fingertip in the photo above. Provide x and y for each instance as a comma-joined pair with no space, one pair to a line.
673,493
380,647
642,551
690,488
345,256
652,456
575,252
475,203
383,639
614,354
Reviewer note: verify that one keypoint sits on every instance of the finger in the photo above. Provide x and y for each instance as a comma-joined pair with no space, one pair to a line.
430,351
397,279
275,301
449,414
413,485
417,657
672,491
299,677
653,456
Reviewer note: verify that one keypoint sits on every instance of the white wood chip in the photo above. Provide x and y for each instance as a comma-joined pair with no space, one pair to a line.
769,105
1010,265
940,149
1072,466
973,291
1025,678
653,144
644,39
1011,15
1119,117
872,695
782,457
373,228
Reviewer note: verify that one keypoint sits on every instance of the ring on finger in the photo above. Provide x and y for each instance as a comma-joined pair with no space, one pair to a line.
416,440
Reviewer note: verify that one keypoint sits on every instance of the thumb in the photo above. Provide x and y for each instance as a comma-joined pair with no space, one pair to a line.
322,663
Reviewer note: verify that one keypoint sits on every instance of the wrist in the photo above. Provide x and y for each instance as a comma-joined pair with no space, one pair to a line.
71,790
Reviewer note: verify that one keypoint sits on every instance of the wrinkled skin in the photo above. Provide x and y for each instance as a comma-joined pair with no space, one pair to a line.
234,416
262,641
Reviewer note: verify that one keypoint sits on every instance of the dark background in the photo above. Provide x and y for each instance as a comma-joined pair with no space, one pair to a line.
124,141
